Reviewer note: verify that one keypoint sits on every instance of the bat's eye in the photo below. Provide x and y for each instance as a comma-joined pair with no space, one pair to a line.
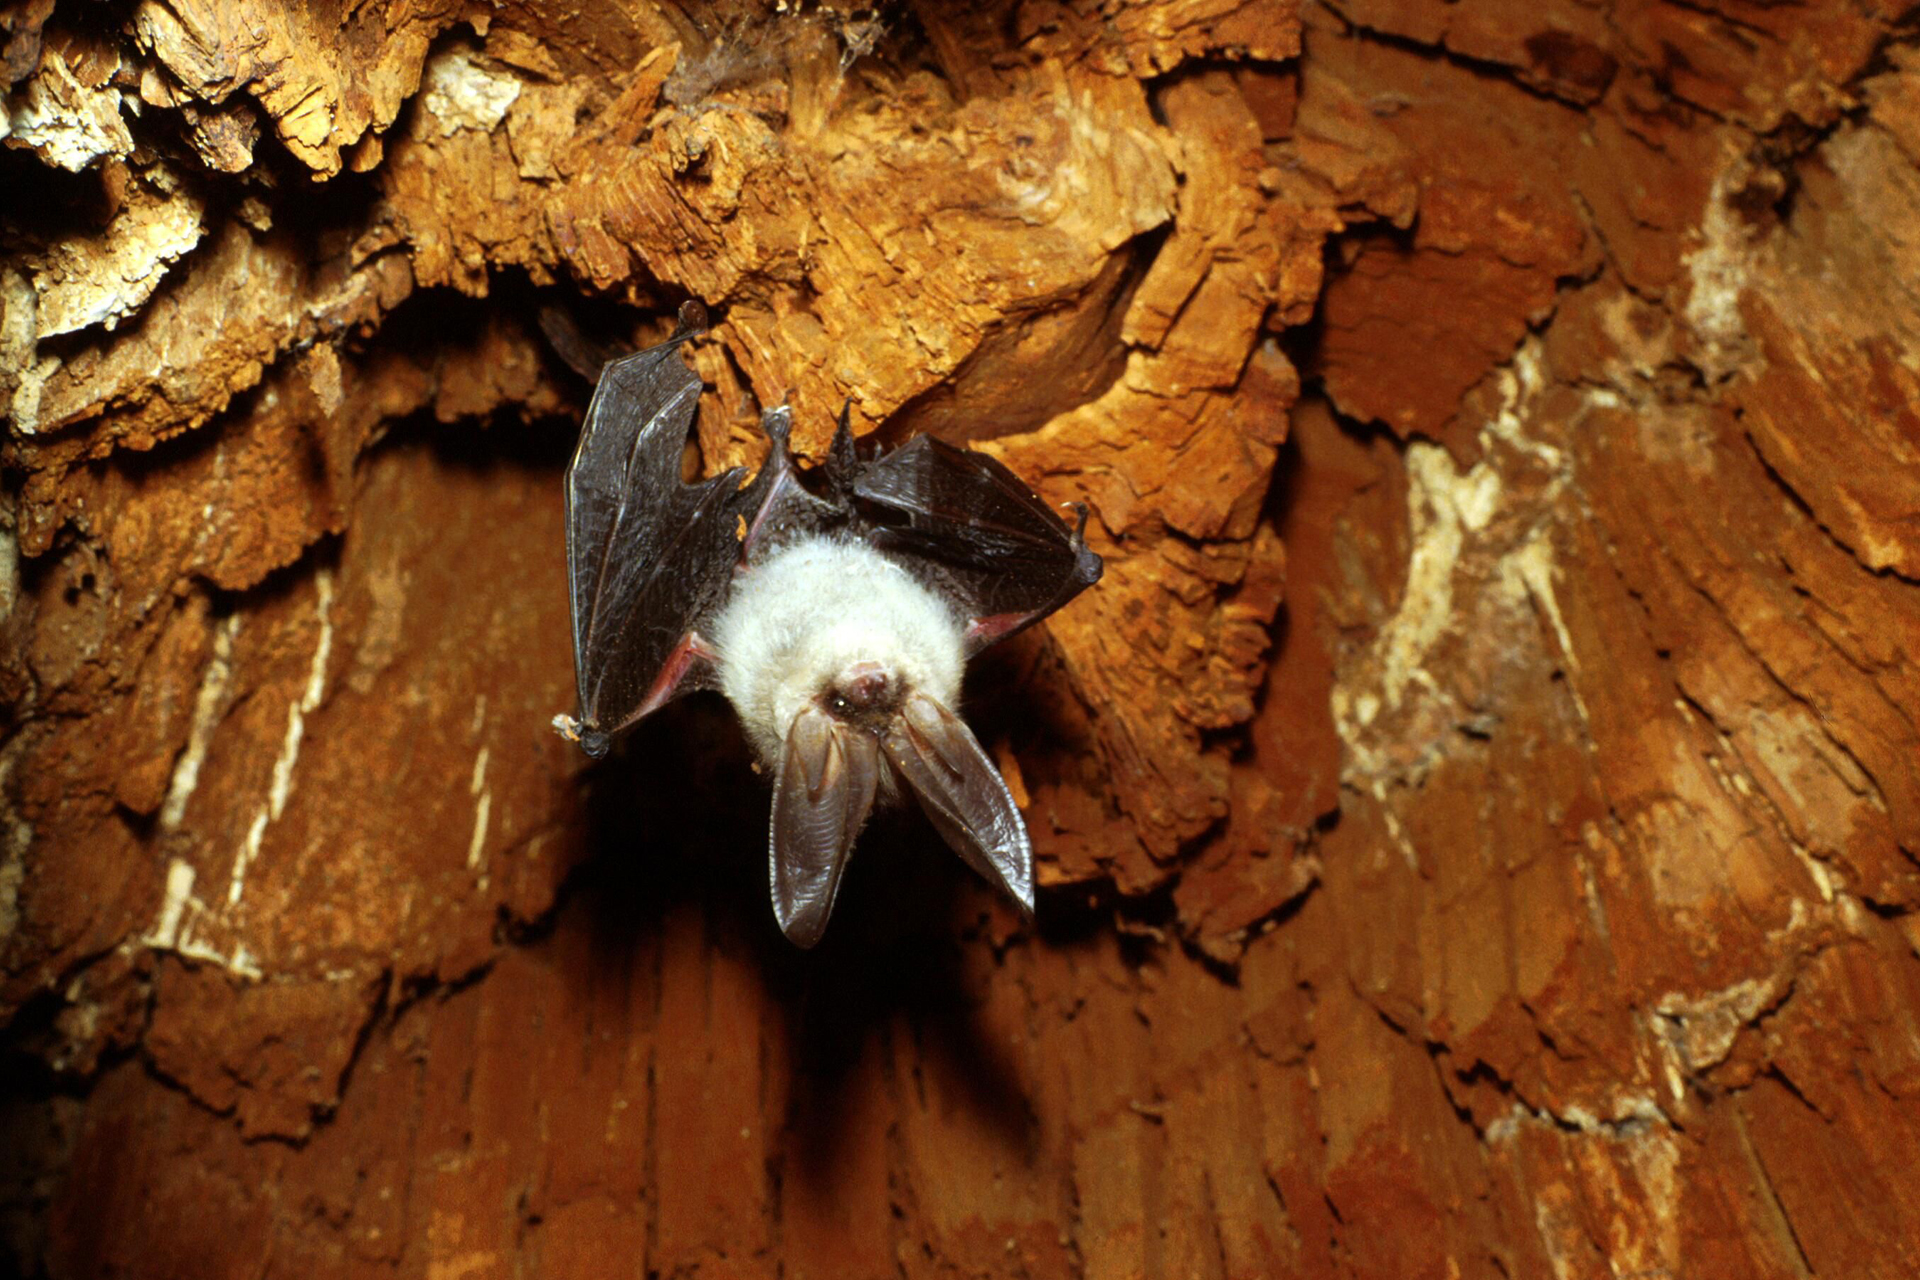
839,705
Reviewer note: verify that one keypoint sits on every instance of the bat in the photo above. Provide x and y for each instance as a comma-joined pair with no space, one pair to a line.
834,606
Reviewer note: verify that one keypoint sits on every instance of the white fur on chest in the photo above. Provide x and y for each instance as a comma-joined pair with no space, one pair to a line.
814,610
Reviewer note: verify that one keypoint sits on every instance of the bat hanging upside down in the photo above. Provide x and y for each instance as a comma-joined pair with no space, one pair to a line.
835,608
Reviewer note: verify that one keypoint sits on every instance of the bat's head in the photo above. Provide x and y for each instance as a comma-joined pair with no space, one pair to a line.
835,626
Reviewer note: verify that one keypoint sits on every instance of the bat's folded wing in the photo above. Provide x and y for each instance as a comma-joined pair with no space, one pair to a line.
1004,551
648,556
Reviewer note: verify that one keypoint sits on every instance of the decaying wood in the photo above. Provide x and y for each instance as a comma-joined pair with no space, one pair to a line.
1477,813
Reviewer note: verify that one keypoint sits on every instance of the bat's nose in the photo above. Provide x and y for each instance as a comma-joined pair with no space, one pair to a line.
865,685
865,693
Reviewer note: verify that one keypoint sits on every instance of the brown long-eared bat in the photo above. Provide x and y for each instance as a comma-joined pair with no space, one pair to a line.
835,608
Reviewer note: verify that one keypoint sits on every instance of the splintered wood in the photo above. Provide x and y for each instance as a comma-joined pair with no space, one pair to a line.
1477,813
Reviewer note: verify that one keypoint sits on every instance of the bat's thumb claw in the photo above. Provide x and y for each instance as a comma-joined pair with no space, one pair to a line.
777,424
591,741
1087,565
691,320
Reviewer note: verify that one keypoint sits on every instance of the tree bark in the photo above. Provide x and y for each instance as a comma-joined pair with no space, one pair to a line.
1477,813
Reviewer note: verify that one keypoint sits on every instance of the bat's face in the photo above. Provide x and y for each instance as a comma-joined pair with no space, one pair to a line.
835,625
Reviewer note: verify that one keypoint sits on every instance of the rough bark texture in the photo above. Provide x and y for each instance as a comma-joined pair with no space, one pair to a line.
1478,812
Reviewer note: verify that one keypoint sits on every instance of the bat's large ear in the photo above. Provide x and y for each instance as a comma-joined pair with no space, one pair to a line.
962,794
828,774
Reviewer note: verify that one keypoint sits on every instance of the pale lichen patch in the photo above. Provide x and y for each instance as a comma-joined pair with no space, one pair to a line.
465,90
281,787
482,809
180,911
64,121
87,280
208,706
1718,271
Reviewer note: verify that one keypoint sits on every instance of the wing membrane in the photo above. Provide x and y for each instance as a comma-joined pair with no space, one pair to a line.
648,555
650,558
1010,558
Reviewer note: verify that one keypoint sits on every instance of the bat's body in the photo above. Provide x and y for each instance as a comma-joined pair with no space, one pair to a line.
836,611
